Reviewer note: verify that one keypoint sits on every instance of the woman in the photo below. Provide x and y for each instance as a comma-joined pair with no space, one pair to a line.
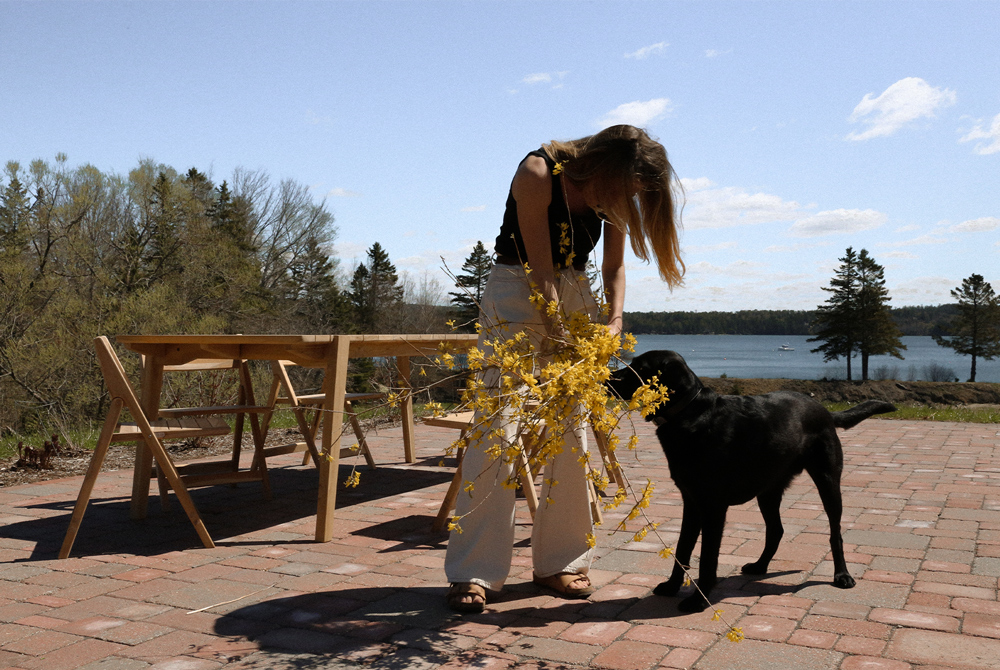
618,181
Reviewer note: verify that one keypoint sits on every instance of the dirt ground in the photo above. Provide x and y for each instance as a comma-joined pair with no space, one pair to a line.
935,394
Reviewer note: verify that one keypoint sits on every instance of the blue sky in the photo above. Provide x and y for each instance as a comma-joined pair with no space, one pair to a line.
798,128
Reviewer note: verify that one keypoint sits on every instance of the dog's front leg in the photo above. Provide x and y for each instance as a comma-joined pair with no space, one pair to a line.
690,528
713,521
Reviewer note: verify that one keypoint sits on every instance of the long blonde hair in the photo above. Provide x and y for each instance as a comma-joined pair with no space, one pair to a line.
614,163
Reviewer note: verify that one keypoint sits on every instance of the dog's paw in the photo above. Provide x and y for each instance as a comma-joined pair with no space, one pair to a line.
844,581
667,588
755,568
693,603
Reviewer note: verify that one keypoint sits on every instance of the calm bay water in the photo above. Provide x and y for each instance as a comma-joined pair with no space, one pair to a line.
760,357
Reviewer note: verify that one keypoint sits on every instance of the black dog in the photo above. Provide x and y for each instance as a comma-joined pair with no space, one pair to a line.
725,450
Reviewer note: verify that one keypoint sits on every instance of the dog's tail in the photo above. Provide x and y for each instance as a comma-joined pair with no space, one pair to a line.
849,418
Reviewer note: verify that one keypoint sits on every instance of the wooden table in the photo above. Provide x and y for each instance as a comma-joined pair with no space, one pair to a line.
330,352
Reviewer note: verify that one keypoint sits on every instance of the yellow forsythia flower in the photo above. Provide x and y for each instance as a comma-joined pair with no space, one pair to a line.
735,634
353,479
716,615
591,540
557,168
666,552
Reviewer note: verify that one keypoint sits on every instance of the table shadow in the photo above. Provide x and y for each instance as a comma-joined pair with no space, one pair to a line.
230,512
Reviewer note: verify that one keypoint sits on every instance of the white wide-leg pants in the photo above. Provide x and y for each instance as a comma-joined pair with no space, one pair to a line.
482,552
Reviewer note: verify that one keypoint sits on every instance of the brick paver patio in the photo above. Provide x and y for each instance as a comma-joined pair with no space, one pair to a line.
921,524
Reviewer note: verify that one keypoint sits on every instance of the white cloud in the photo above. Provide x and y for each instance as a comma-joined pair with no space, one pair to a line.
899,105
342,193
709,248
979,225
794,248
923,291
906,255
713,53
909,228
646,52
538,78
992,137
476,208
920,241
696,184
838,221
738,268
637,113
709,207
345,250
545,77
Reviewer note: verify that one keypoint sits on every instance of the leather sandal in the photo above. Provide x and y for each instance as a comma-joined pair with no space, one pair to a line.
563,584
467,598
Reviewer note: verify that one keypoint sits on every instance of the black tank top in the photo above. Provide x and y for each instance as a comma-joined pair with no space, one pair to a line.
584,229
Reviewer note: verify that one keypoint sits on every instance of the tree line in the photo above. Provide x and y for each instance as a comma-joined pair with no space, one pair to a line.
920,320
85,252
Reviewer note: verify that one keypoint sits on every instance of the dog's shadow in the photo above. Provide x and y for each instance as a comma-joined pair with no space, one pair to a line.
729,591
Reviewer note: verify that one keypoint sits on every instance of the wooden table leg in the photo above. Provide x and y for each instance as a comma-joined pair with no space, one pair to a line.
150,387
335,388
406,408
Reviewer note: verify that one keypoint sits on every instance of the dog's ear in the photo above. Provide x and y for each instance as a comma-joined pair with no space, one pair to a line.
624,382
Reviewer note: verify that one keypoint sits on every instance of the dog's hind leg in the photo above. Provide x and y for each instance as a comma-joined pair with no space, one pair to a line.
713,522
770,508
690,529
828,484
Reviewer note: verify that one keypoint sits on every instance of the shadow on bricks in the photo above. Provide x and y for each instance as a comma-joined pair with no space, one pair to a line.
228,511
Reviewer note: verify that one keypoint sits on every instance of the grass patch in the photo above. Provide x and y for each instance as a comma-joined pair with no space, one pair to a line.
958,413
81,436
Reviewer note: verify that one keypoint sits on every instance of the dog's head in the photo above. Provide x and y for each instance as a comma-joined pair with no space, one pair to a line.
670,370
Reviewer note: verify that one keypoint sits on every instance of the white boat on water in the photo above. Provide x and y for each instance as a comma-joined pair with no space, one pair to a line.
785,347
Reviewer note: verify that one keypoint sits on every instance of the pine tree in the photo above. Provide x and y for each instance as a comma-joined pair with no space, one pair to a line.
836,323
230,217
161,259
375,293
976,331
14,210
476,270
312,289
878,333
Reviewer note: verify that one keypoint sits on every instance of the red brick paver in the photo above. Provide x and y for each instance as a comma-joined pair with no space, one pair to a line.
921,527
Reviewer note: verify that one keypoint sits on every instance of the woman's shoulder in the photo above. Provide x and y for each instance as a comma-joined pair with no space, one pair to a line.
535,164
532,179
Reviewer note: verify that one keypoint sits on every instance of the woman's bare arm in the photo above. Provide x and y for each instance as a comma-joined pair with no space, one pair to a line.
613,274
532,190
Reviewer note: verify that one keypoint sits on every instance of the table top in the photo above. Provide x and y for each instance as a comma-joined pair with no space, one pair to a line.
303,349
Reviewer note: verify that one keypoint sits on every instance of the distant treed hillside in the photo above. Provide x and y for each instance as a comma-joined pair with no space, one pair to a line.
911,320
